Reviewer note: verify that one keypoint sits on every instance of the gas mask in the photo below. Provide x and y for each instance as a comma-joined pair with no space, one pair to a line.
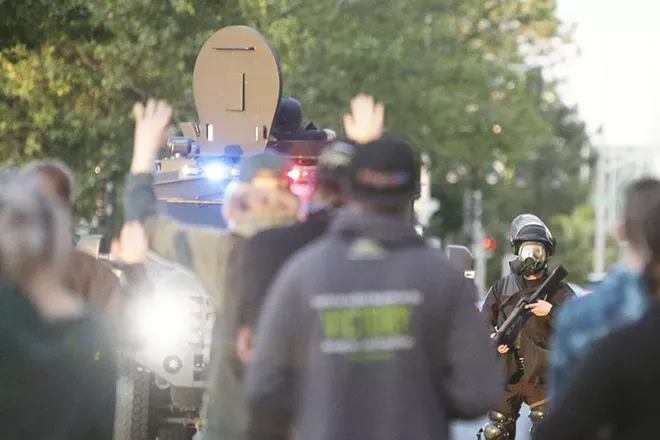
532,258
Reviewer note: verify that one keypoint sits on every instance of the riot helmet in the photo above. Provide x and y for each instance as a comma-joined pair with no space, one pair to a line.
289,114
532,243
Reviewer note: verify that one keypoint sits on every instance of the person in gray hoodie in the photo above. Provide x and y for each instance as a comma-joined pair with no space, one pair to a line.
367,333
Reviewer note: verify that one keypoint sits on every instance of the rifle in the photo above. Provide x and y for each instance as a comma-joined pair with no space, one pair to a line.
549,285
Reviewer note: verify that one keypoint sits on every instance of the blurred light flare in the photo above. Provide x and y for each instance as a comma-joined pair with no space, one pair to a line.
216,171
164,319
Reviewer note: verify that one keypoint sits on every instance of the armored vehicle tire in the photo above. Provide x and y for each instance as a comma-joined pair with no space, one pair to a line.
133,396
175,432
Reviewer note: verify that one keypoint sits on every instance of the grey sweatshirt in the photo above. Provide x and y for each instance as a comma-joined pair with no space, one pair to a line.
369,334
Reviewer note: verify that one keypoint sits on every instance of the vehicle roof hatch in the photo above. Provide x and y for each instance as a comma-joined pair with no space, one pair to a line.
237,87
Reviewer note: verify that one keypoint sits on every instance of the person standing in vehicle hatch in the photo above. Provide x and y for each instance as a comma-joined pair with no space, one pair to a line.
288,124
258,200
367,333
525,358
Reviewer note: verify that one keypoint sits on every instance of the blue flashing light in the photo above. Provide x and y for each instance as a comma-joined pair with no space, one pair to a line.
216,171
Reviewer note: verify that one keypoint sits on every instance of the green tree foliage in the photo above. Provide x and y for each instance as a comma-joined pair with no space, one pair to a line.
451,73
574,232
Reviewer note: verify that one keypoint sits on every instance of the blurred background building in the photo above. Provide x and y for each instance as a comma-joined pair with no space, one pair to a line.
612,76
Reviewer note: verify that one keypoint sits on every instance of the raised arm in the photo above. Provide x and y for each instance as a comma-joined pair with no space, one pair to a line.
203,250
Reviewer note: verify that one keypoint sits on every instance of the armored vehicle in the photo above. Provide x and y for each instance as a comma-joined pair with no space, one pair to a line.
237,88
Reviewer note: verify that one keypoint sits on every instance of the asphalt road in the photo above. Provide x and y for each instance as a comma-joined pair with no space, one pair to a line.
468,430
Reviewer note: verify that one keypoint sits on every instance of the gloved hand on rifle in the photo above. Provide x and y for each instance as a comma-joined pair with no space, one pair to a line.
539,308
504,348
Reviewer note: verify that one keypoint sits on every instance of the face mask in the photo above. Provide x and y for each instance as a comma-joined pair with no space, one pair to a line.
532,258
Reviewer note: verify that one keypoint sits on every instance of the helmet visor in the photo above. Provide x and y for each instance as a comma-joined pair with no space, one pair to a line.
532,249
522,221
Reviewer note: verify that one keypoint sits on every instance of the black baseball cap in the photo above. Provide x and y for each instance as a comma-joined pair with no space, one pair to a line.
383,173
334,162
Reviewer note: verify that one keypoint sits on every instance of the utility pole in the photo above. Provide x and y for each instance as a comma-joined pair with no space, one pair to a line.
477,241
600,227
425,206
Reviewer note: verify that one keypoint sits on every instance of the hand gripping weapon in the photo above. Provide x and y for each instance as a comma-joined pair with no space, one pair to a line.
549,286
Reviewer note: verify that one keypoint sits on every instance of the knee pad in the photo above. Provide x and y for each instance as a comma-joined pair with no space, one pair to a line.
498,427
536,415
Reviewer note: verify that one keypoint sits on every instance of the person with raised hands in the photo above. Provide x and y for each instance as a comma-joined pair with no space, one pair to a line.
258,200
268,250
365,122
202,249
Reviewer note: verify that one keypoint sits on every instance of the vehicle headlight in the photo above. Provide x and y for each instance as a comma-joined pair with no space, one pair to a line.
164,319
216,171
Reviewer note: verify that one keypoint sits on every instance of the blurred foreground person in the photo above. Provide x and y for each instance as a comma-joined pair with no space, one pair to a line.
57,365
86,276
619,300
367,333
260,199
617,383
270,249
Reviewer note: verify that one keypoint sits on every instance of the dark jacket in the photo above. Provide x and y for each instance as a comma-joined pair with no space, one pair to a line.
533,339
616,386
367,333
268,250
57,378
253,264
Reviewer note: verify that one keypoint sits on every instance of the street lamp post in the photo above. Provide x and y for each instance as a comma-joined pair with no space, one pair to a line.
477,240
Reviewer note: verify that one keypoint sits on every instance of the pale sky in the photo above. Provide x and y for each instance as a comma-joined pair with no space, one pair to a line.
616,79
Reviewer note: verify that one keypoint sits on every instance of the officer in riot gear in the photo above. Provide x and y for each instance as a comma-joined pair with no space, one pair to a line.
287,125
523,356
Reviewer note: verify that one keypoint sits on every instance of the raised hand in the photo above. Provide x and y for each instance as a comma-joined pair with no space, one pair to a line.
365,121
151,124
132,246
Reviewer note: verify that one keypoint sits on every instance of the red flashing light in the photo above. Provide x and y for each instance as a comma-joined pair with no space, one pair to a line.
294,174
489,243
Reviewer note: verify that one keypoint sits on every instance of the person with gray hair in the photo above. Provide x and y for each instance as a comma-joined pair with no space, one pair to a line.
90,278
52,347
